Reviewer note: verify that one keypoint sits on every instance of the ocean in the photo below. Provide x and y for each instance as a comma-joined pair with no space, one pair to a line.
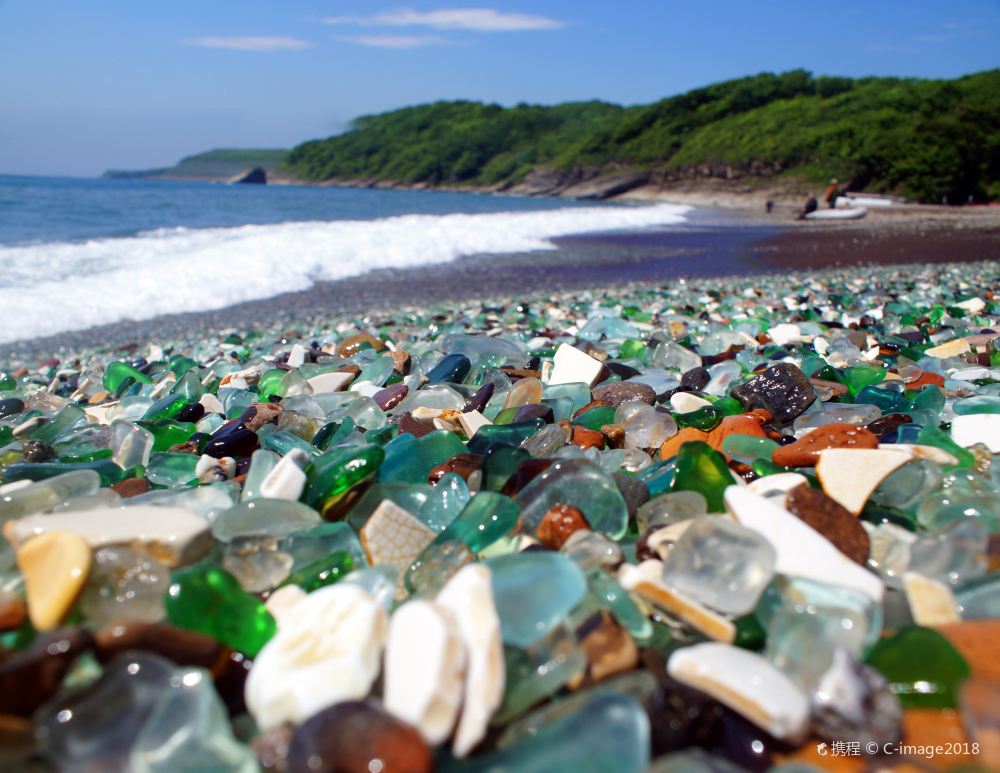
77,253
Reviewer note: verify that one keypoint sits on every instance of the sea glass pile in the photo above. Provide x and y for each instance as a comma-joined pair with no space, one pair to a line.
716,525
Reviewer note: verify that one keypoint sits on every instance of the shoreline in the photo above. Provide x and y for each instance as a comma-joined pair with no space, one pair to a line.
716,243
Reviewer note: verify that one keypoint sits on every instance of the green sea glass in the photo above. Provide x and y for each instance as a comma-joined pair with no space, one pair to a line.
210,600
701,469
118,372
923,668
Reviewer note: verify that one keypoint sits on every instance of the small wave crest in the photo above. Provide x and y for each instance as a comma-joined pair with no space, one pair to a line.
58,286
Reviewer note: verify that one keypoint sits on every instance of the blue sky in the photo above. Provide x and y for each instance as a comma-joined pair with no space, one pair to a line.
126,84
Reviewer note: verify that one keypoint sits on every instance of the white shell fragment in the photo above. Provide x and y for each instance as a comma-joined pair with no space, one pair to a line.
572,366
931,602
174,534
393,536
468,597
777,486
645,581
745,682
916,451
286,479
850,475
424,669
282,601
952,348
802,551
329,382
328,649
975,428
472,421
685,402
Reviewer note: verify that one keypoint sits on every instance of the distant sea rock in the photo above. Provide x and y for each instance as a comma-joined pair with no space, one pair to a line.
220,165
254,176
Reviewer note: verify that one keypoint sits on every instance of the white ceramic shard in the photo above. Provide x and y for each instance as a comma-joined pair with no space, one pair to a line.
931,602
424,669
802,551
662,540
777,486
646,582
281,602
785,333
468,597
210,469
174,535
685,402
297,356
915,451
427,415
972,305
211,403
572,366
850,475
392,536
972,428
286,480
472,421
328,649
951,348
330,382
745,682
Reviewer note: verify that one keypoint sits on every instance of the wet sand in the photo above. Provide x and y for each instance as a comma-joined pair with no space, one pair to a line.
714,244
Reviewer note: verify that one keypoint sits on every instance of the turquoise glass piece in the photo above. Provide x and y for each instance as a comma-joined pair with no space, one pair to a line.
500,462
579,394
582,484
539,671
447,499
60,424
451,369
487,517
409,459
509,434
109,472
747,449
172,469
609,732
618,602
533,592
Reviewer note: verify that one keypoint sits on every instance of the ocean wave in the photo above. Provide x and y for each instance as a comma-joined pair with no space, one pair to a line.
58,286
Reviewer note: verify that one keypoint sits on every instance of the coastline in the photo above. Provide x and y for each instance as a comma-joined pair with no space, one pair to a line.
717,243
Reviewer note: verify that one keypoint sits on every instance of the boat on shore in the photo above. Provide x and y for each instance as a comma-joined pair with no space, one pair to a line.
853,213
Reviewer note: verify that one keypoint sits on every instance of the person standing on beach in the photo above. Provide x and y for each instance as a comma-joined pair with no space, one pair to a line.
811,205
832,193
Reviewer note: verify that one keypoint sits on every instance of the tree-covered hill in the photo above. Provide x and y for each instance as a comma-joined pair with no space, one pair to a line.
927,139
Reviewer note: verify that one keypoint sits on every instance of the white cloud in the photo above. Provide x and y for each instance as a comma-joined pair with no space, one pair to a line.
260,43
394,41
472,19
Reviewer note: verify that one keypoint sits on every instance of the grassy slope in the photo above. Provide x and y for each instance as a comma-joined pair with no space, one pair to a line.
925,139
213,164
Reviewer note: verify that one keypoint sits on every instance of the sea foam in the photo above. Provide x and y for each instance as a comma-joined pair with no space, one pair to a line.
57,286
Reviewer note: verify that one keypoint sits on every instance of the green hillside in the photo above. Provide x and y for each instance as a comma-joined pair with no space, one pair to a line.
217,164
926,139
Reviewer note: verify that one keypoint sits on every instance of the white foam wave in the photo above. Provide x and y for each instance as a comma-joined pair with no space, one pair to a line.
53,287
